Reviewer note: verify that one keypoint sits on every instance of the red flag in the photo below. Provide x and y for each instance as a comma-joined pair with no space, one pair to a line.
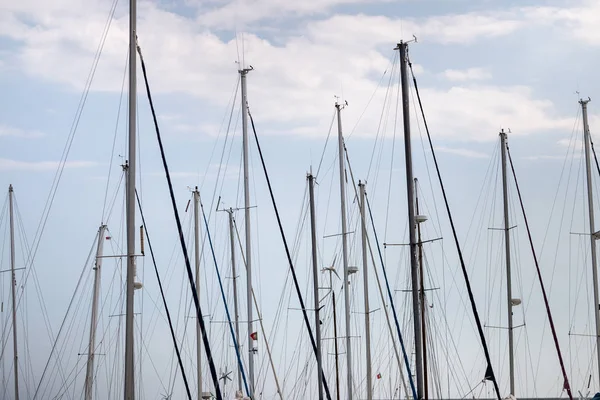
379,376
254,336
108,238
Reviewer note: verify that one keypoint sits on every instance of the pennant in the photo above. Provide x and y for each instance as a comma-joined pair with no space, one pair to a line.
379,375
489,374
108,238
254,336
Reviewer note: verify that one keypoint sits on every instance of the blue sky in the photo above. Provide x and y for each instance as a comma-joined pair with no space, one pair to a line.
481,66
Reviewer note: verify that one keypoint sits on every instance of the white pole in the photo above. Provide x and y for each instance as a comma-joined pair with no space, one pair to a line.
361,186
313,236
593,236
345,250
89,374
197,259
130,210
13,288
243,74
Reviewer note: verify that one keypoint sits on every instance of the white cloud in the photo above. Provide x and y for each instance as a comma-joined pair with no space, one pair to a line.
470,74
462,152
582,22
479,112
36,166
240,13
296,76
6,130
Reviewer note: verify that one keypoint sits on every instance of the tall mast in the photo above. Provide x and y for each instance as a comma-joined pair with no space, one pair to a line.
89,374
511,358
130,209
338,108
593,234
414,267
235,293
335,336
197,260
313,236
243,73
422,294
366,291
13,289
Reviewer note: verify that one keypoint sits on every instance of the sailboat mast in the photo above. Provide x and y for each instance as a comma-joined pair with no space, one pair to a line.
587,144
338,107
414,267
422,296
313,237
89,374
197,261
243,73
335,337
511,355
130,209
235,293
361,187
13,289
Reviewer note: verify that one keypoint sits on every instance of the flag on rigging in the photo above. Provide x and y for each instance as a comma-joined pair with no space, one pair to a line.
379,375
254,336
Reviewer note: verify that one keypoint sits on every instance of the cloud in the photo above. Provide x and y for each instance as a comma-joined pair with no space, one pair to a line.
462,152
478,112
6,130
38,166
297,72
470,74
241,13
582,21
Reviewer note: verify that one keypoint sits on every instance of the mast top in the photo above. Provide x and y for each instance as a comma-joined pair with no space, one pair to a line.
244,71
583,101
10,188
405,42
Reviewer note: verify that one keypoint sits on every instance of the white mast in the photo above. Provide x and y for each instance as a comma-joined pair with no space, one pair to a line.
338,108
130,210
366,291
593,234
13,289
315,268
243,72
89,374
412,227
235,293
197,259
511,355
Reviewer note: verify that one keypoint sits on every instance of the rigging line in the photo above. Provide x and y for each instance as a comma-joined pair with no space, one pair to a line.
64,319
112,153
259,315
375,269
391,61
67,148
454,234
211,363
162,294
387,285
595,157
539,274
287,252
235,342
326,141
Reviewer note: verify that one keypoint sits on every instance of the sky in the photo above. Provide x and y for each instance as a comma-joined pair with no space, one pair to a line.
481,65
